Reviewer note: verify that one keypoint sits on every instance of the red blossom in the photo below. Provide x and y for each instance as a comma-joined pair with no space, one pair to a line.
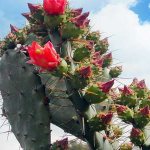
135,132
54,7
106,86
81,21
85,71
45,57
145,111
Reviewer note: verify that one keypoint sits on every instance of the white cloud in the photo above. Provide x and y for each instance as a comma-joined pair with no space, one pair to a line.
97,4
123,2
149,5
128,36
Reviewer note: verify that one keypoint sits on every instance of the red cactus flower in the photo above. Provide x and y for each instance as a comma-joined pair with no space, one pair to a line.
141,84
76,12
45,57
85,71
34,7
121,108
106,118
106,86
126,91
81,21
54,7
135,132
14,29
145,111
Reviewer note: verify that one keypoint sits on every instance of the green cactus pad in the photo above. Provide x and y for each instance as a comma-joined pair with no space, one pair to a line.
23,97
62,112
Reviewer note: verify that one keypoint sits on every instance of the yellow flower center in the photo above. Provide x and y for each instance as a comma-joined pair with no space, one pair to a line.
38,51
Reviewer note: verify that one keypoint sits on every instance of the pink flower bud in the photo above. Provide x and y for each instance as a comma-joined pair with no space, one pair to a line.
141,84
81,20
96,55
85,71
34,7
98,62
14,29
90,44
145,111
134,82
63,144
76,12
106,86
126,91
27,15
106,118
135,132
86,22
105,41
108,56
121,108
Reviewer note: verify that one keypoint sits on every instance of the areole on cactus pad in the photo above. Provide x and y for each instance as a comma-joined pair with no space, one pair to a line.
56,70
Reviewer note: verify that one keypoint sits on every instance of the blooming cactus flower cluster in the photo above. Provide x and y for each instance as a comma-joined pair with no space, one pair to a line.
58,42
133,107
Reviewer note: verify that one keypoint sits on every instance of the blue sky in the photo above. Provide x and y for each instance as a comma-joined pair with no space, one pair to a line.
126,22
142,8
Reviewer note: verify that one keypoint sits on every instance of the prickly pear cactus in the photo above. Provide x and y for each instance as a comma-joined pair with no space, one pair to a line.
56,70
